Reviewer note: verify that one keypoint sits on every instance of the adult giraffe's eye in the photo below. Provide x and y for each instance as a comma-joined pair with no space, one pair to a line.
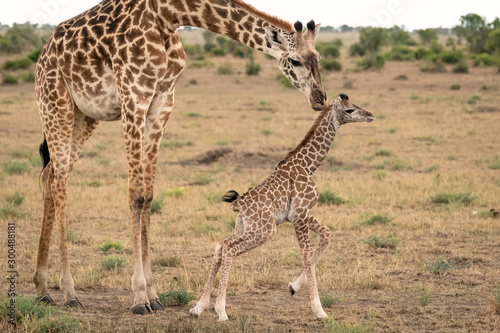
349,111
295,62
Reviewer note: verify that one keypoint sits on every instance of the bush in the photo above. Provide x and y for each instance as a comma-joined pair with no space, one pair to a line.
225,69
433,67
252,68
16,167
377,219
376,62
218,52
26,77
330,198
449,198
20,63
389,243
9,78
113,262
176,297
33,56
328,49
400,53
455,86
461,67
331,64
422,53
452,57
111,245
356,49
484,58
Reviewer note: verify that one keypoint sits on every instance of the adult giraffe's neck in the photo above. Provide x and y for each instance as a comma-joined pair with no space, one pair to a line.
313,148
231,18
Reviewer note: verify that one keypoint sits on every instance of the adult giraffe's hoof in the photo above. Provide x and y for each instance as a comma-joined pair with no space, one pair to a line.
156,305
73,303
45,300
142,309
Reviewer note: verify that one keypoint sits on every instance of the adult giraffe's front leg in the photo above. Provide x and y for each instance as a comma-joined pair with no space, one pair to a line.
134,111
156,121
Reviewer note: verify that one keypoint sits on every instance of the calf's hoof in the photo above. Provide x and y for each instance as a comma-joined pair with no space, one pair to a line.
47,300
73,303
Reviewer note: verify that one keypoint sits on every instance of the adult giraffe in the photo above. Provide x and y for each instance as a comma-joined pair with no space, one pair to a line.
121,60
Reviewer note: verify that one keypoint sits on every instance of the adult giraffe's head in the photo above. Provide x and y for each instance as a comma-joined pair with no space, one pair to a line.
299,60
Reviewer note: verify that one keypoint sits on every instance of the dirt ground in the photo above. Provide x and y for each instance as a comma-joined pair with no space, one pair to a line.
228,132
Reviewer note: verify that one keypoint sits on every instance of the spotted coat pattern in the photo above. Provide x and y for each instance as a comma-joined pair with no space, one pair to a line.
287,195
120,60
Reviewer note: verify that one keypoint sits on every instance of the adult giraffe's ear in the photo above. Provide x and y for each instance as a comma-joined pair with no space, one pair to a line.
276,39
315,30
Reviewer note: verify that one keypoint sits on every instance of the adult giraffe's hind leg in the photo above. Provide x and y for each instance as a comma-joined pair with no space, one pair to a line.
83,128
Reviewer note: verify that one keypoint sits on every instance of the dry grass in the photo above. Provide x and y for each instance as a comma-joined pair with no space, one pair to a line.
427,140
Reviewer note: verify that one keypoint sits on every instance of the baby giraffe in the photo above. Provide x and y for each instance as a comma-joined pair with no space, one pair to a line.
287,195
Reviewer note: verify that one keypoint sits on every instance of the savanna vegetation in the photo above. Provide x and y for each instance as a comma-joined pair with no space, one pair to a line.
412,199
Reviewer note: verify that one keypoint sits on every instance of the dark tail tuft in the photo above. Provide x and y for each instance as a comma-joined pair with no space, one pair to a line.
44,153
230,196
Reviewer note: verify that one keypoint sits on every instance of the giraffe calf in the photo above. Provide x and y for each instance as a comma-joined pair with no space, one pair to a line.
287,195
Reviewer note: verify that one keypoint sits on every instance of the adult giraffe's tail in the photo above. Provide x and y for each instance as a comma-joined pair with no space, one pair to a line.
44,153
230,196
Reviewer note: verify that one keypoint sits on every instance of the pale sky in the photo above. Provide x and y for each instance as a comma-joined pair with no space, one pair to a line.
413,14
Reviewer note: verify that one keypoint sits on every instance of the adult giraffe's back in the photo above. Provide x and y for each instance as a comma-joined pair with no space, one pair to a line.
120,60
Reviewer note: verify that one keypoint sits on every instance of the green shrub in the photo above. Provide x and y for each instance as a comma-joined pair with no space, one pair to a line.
377,219
450,198
473,99
461,67
252,68
157,205
111,245
383,152
388,243
20,63
218,52
9,78
452,57
176,297
441,265
113,262
400,53
433,67
356,49
225,69
329,198
331,64
11,207
328,300
16,167
422,53
455,86
174,261
376,62
33,56
26,77
328,49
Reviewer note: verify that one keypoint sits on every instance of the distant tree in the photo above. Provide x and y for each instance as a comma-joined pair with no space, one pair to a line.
328,28
474,30
493,44
451,42
372,39
345,28
495,24
427,35
399,36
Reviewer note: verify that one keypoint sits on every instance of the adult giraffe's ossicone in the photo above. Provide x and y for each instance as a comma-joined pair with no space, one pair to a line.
120,60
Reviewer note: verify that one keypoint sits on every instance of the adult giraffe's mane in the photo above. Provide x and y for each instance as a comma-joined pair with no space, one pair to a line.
277,22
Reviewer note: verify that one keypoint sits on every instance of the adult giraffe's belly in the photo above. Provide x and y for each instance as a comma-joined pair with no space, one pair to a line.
98,99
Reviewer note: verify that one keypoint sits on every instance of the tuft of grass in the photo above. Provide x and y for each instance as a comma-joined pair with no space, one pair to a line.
202,180
35,317
461,67
16,167
173,261
495,165
113,263
424,294
452,199
111,245
473,99
157,205
328,300
495,299
379,174
225,69
392,130
455,86
11,207
176,297
377,219
9,78
383,152
329,198
266,131
203,228
388,243
174,192
441,265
